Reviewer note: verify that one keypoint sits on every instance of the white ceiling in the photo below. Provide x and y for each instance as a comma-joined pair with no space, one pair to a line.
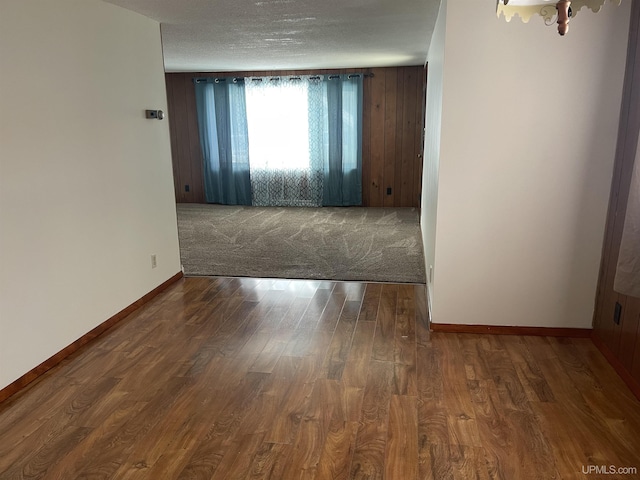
231,35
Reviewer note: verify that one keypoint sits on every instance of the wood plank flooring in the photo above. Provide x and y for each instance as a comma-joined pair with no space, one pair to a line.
227,378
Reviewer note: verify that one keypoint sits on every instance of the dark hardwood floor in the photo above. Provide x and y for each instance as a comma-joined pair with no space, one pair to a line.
221,378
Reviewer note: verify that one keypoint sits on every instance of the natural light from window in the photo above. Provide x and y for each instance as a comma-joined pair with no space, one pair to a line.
278,124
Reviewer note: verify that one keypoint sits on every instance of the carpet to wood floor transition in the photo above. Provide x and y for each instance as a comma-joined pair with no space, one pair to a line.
357,243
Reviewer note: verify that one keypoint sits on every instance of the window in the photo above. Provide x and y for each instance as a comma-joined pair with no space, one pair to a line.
278,124
281,141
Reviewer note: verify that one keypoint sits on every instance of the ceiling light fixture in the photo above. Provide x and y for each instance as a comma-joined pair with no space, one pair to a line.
552,11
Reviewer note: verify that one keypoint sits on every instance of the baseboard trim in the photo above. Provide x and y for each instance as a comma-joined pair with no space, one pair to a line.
507,330
51,362
617,365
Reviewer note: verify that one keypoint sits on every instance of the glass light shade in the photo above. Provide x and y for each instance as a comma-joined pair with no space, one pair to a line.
547,9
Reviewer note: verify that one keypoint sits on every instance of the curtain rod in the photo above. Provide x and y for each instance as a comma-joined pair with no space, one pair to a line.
279,77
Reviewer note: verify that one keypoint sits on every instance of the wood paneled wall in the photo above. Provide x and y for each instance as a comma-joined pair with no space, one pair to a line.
392,137
621,338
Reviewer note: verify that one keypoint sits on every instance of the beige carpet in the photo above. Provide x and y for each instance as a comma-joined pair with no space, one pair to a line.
351,243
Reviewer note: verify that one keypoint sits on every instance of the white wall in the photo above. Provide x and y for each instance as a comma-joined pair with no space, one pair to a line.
529,128
429,201
86,191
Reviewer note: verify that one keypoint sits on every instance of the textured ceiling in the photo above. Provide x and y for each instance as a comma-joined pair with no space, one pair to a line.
227,35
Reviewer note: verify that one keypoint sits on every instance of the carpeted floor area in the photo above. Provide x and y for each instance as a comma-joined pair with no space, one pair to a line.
365,244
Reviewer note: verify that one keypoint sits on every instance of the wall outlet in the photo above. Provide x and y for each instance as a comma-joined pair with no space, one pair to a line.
154,261
388,190
617,313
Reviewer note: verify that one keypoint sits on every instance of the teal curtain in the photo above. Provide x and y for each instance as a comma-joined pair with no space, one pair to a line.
224,139
306,140
342,184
